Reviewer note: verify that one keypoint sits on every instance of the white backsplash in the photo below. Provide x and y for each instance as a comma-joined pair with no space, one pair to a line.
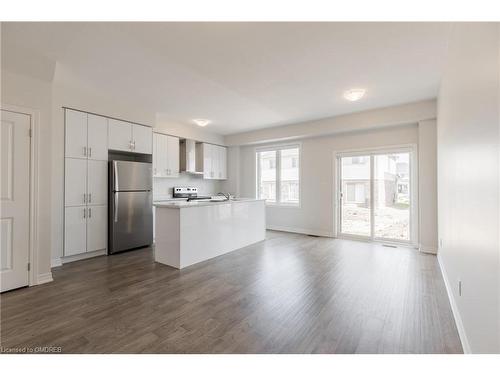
162,187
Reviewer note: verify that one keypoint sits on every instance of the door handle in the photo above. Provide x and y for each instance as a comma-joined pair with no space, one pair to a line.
116,208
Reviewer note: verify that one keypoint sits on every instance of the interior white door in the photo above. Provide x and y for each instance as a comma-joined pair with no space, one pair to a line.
75,230
97,182
173,156
76,134
97,228
143,139
119,135
75,182
97,143
14,195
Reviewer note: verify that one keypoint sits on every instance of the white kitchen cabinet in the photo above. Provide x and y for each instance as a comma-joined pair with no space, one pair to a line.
86,136
142,138
208,172
172,156
119,135
75,230
214,162
165,155
97,133
222,163
75,182
97,228
97,182
125,136
76,134
159,155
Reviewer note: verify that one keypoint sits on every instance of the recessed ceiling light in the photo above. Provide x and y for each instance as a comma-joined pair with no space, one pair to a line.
354,94
201,122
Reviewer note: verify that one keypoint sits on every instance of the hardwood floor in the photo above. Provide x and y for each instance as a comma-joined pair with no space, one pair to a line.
289,294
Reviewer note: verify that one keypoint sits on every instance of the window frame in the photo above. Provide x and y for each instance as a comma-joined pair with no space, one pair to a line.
277,149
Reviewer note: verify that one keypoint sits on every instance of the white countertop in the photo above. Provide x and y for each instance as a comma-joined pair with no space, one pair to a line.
200,203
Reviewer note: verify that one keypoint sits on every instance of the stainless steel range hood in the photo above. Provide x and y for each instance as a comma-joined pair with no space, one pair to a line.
188,160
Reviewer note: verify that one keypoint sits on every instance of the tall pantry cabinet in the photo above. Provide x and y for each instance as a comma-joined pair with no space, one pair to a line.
85,182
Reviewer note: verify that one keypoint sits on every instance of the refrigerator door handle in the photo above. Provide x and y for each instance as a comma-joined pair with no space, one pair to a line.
116,207
115,176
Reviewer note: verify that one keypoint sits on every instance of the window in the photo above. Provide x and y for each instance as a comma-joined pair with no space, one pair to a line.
278,175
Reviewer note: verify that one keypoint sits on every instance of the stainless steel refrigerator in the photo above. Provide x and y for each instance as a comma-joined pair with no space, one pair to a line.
130,208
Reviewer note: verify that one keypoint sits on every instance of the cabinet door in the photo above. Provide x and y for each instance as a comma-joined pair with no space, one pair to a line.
223,163
75,134
173,156
142,137
216,162
207,161
156,139
119,135
75,182
97,137
75,227
161,155
97,182
97,228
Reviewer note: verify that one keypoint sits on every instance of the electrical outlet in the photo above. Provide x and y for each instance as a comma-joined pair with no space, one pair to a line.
460,288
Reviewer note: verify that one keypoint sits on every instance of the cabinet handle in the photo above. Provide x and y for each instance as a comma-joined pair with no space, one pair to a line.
84,198
90,197
84,213
90,213
84,151
90,152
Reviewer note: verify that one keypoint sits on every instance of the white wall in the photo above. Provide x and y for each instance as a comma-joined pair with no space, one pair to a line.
427,186
25,91
468,182
316,213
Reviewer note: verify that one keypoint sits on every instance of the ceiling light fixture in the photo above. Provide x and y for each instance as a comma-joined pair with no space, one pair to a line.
354,94
201,122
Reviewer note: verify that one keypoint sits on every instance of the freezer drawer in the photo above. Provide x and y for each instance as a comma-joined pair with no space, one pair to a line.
130,220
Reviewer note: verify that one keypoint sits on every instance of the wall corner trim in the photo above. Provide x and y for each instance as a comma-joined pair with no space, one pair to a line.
454,309
44,278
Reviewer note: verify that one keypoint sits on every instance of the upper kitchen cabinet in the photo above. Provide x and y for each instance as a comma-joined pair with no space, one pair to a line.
119,135
125,136
86,136
142,138
214,162
97,137
165,155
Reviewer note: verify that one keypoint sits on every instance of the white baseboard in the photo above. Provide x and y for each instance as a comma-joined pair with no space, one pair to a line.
454,309
56,262
44,278
427,249
74,258
312,232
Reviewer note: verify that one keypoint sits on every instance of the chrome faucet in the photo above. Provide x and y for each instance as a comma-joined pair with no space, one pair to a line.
227,196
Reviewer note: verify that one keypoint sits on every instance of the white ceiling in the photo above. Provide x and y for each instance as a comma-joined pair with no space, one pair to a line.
242,76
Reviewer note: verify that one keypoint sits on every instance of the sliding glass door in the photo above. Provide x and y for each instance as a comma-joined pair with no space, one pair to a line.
375,195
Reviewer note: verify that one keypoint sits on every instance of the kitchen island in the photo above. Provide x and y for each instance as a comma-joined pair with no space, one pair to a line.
191,232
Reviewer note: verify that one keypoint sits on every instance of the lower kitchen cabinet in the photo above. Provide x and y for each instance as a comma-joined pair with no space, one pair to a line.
85,229
97,228
75,230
